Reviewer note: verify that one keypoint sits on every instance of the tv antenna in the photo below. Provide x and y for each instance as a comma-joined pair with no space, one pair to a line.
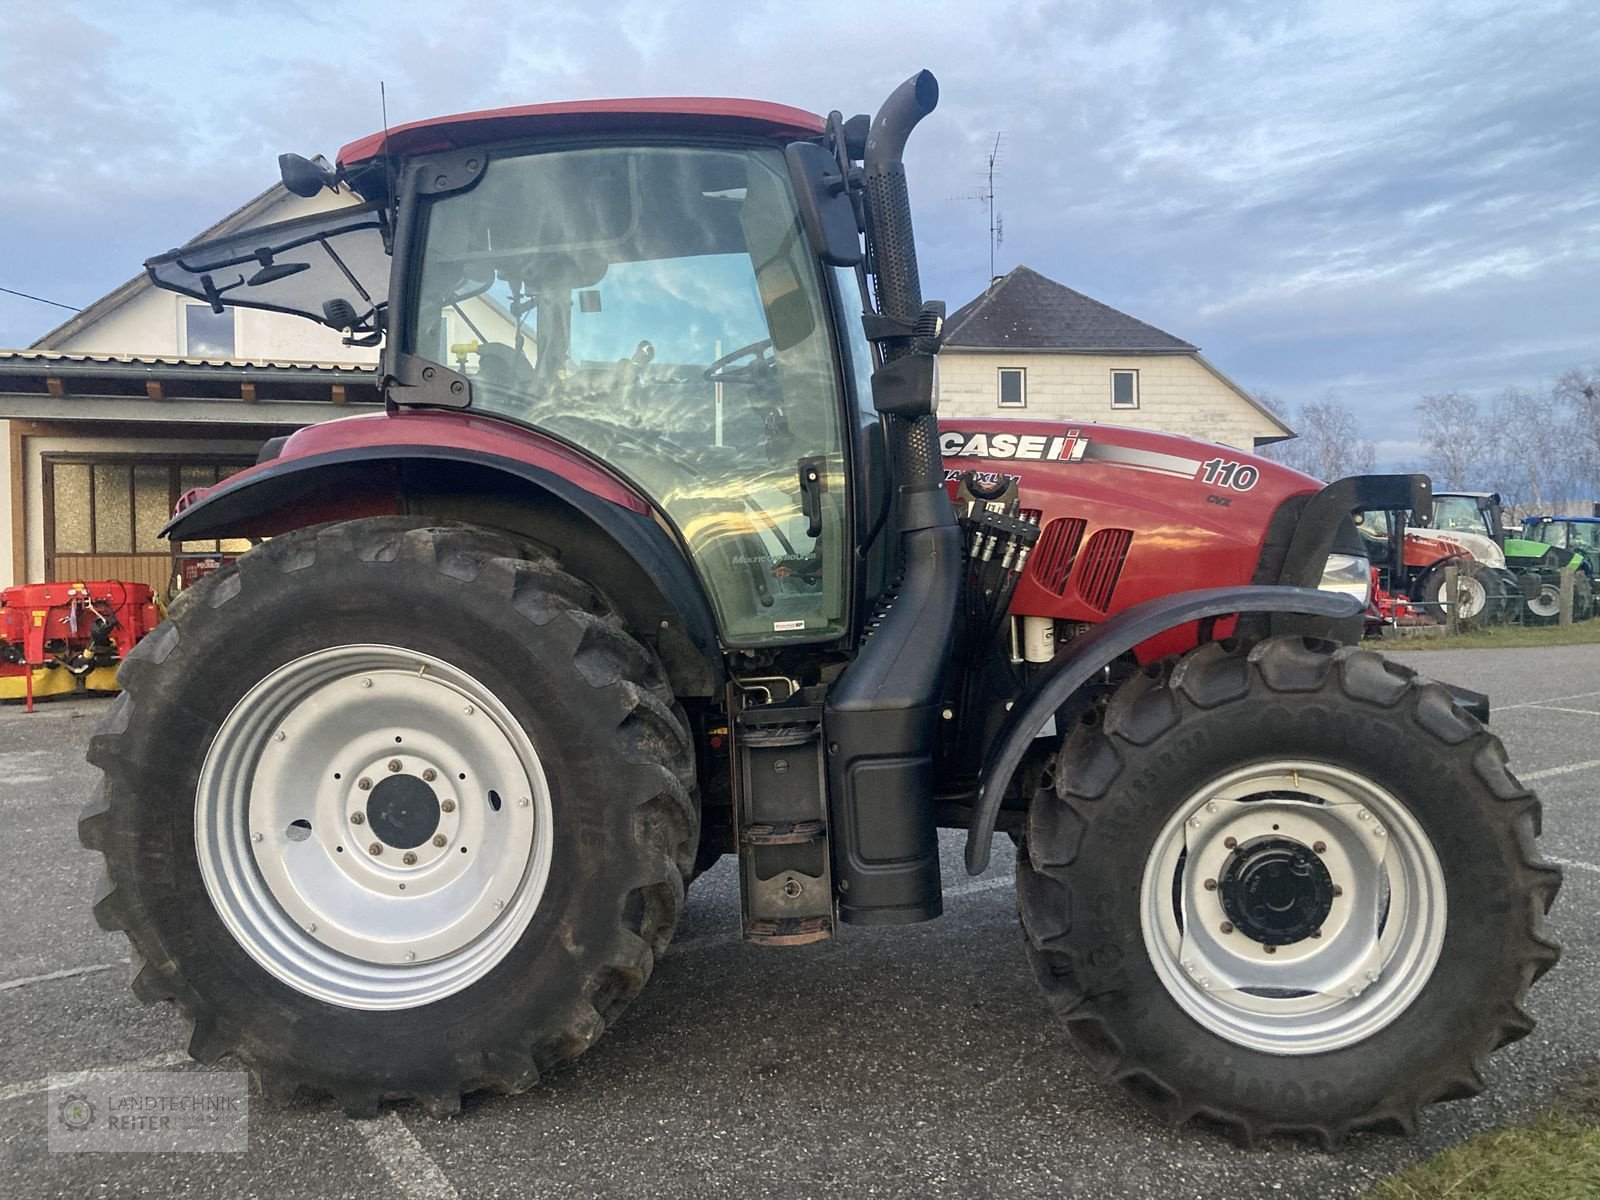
986,197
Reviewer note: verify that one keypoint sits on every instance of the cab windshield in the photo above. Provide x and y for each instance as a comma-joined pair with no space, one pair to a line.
659,308
1459,513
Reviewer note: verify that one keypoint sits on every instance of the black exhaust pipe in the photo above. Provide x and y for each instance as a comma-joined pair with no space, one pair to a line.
882,714
894,251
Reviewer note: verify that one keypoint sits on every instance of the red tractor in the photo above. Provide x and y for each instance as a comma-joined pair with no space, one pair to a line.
659,553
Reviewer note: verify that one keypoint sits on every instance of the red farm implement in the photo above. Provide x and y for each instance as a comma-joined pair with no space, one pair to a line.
67,638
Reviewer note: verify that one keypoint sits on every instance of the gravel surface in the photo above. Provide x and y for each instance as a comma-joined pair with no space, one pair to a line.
888,1062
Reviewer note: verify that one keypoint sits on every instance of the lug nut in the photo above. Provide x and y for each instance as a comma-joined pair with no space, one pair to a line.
409,858
1316,933
255,837
411,956
394,764
375,849
1211,885
1226,927
1337,890
447,806
1319,847
1270,949
365,785
356,818
1230,843
429,775
366,683
438,839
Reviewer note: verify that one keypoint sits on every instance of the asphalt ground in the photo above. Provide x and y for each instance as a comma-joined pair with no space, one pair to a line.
919,1061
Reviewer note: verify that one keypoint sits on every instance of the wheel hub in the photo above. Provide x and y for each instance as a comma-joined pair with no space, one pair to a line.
403,811
1276,891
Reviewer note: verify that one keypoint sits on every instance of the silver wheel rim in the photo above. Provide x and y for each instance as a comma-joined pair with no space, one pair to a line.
1369,957
1471,598
325,856
1547,603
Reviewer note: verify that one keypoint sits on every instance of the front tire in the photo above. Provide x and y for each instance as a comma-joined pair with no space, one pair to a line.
392,810
1289,889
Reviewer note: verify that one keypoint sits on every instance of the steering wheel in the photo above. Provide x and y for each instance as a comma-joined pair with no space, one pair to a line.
761,360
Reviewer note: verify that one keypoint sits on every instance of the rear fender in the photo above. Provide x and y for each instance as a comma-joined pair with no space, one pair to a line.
1090,653
609,539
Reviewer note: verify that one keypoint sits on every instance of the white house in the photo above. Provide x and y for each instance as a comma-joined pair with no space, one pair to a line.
1036,347
108,418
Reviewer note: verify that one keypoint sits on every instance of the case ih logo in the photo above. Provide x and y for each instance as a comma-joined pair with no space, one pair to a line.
1029,446
1074,447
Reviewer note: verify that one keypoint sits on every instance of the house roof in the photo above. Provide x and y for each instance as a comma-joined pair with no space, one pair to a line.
1024,310
46,385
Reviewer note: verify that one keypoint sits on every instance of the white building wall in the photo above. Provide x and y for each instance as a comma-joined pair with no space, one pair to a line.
1177,394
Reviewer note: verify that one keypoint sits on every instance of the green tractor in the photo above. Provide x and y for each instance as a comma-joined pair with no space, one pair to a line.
1534,562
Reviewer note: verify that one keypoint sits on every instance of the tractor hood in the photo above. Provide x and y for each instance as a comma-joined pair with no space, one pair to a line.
1476,544
1130,514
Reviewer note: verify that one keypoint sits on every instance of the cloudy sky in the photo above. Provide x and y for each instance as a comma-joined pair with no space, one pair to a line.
1373,200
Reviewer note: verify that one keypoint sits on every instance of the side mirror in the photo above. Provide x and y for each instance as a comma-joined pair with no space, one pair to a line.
826,213
905,387
305,177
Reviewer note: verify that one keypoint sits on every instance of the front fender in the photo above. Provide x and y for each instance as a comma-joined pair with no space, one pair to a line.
1090,653
604,535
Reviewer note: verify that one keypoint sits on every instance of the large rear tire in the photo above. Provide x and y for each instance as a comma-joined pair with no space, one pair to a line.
393,810
1289,889
1477,587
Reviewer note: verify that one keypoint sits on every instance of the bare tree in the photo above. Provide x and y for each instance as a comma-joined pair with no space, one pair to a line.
1327,443
1533,444
1452,434
1578,391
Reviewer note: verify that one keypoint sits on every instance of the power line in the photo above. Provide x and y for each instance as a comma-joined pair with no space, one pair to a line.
41,299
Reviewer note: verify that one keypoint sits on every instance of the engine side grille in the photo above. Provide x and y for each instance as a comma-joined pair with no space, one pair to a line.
1100,566
1052,559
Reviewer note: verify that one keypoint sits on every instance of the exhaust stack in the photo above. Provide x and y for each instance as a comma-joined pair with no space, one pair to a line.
881,717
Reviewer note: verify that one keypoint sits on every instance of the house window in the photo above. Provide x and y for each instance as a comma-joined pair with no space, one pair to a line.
1124,389
206,334
1013,387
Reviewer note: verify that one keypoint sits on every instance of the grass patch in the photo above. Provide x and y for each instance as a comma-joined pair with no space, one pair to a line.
1556,1157
1582,633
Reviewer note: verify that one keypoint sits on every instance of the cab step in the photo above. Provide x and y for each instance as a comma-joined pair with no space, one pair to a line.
780,806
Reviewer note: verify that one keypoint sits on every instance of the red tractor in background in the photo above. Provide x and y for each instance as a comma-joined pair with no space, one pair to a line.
659,553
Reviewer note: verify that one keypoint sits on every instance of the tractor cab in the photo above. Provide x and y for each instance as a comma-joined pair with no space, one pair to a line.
653,299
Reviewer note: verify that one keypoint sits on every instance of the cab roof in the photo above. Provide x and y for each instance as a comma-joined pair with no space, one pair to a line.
659,115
